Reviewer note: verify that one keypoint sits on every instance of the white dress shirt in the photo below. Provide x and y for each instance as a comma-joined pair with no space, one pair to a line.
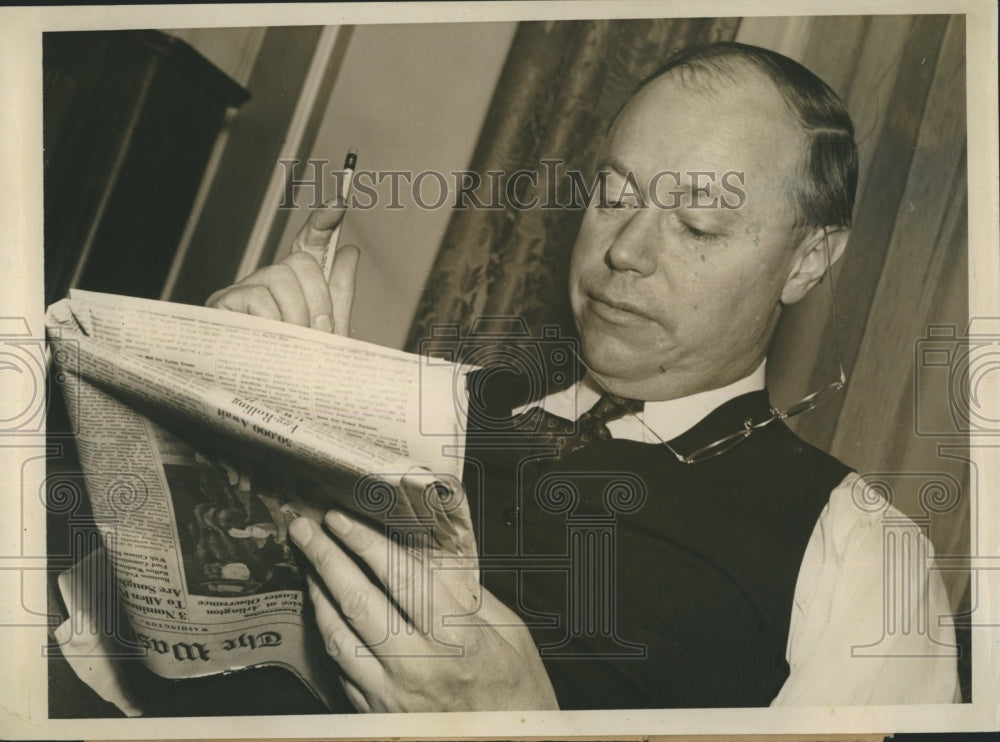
847,644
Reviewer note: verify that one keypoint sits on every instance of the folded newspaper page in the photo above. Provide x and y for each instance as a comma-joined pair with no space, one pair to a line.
203,433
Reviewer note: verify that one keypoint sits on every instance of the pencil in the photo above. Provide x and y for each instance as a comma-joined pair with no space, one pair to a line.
350,163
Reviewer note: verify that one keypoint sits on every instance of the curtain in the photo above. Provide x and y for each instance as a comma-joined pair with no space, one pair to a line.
905,270
902,289
561,85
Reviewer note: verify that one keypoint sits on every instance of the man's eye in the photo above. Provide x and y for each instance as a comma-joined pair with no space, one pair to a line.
620,205
700,234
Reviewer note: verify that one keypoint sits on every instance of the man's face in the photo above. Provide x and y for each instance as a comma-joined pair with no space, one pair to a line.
676,300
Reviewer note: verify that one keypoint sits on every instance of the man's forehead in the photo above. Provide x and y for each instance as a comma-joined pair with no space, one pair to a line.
709,119
739,91
718,77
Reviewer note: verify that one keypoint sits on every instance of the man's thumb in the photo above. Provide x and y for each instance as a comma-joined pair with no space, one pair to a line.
343,275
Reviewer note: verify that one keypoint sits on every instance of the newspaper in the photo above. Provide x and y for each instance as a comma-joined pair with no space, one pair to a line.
203,433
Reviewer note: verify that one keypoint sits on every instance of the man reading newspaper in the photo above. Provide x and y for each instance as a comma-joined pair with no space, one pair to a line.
739,572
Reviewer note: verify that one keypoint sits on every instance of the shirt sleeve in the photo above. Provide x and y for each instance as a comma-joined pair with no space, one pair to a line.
865,615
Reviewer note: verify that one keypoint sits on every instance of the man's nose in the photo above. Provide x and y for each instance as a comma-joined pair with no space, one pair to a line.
635,247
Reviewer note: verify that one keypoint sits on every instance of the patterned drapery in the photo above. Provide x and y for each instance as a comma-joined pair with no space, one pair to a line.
561,85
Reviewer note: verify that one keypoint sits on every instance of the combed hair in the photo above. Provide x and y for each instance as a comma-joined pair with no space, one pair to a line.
829,179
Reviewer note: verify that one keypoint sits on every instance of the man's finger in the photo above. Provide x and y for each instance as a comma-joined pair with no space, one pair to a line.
362,540
363,605
315,234
343,275
280,280
402,568
314,289
358,663
355,696
254,300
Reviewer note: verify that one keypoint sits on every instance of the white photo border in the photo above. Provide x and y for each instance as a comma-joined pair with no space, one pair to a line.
23,677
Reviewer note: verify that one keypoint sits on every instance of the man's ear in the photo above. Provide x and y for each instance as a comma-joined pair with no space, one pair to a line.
811,261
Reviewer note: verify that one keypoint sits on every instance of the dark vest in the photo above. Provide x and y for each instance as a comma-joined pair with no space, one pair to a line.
647,582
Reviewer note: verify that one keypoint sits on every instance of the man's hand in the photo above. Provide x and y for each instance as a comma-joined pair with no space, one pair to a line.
294,289
489,662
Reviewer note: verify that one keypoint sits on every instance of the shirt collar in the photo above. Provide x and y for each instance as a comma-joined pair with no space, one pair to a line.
667,418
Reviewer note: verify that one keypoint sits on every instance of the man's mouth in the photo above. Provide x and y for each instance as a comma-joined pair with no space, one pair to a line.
614,310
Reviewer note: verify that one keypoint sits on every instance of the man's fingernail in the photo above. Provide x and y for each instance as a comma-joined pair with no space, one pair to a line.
323,322
337,522
301,530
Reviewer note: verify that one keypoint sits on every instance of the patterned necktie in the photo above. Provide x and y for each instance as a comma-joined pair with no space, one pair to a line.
571,436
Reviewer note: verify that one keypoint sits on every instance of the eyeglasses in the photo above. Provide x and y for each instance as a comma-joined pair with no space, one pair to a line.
725,444
805,404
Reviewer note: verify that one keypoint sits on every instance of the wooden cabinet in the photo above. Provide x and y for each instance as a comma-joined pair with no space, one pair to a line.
130,120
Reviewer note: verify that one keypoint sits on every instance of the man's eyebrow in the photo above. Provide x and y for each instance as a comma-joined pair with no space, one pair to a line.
613,163
711,186
677,183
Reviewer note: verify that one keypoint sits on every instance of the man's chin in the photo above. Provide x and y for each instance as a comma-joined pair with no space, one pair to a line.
612,359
